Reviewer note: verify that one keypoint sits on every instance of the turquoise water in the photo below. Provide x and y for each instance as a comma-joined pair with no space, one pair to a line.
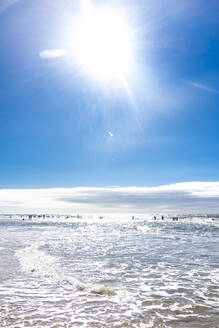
114,272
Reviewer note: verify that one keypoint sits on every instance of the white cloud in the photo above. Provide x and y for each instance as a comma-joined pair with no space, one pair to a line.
190,197
202,86
110,134
53,53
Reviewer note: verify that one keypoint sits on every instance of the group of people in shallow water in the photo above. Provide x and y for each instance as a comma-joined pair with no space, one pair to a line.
174,218
155,218
162,217
44,216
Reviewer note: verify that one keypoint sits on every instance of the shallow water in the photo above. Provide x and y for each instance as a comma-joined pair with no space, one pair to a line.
114,272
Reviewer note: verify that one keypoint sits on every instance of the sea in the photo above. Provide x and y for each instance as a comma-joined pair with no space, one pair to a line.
110,271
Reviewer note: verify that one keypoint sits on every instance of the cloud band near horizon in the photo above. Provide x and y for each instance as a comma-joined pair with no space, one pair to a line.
190,197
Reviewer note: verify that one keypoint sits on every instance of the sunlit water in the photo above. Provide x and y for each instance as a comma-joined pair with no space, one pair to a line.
114,272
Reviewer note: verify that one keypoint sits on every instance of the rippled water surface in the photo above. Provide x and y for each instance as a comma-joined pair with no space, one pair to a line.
114,272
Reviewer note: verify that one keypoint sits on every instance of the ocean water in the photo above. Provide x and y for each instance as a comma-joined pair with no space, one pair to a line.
114,272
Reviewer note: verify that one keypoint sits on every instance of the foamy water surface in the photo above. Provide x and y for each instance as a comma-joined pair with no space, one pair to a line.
114,272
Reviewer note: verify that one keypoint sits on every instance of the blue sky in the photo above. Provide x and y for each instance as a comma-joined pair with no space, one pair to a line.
62,127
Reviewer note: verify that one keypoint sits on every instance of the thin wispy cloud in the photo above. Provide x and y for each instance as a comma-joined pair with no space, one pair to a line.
202,86
190,197
4,5
53,53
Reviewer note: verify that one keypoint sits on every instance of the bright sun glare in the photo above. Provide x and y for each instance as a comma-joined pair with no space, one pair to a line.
103,42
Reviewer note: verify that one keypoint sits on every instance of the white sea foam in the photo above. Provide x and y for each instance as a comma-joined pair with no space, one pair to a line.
113,273
37,262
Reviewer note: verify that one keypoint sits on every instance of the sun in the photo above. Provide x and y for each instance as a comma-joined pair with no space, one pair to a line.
103,44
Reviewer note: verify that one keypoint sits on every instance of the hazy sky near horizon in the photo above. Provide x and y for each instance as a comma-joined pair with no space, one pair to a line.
144,115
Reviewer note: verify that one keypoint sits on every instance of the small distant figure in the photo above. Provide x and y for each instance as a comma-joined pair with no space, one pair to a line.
133,217
162,217
155,218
